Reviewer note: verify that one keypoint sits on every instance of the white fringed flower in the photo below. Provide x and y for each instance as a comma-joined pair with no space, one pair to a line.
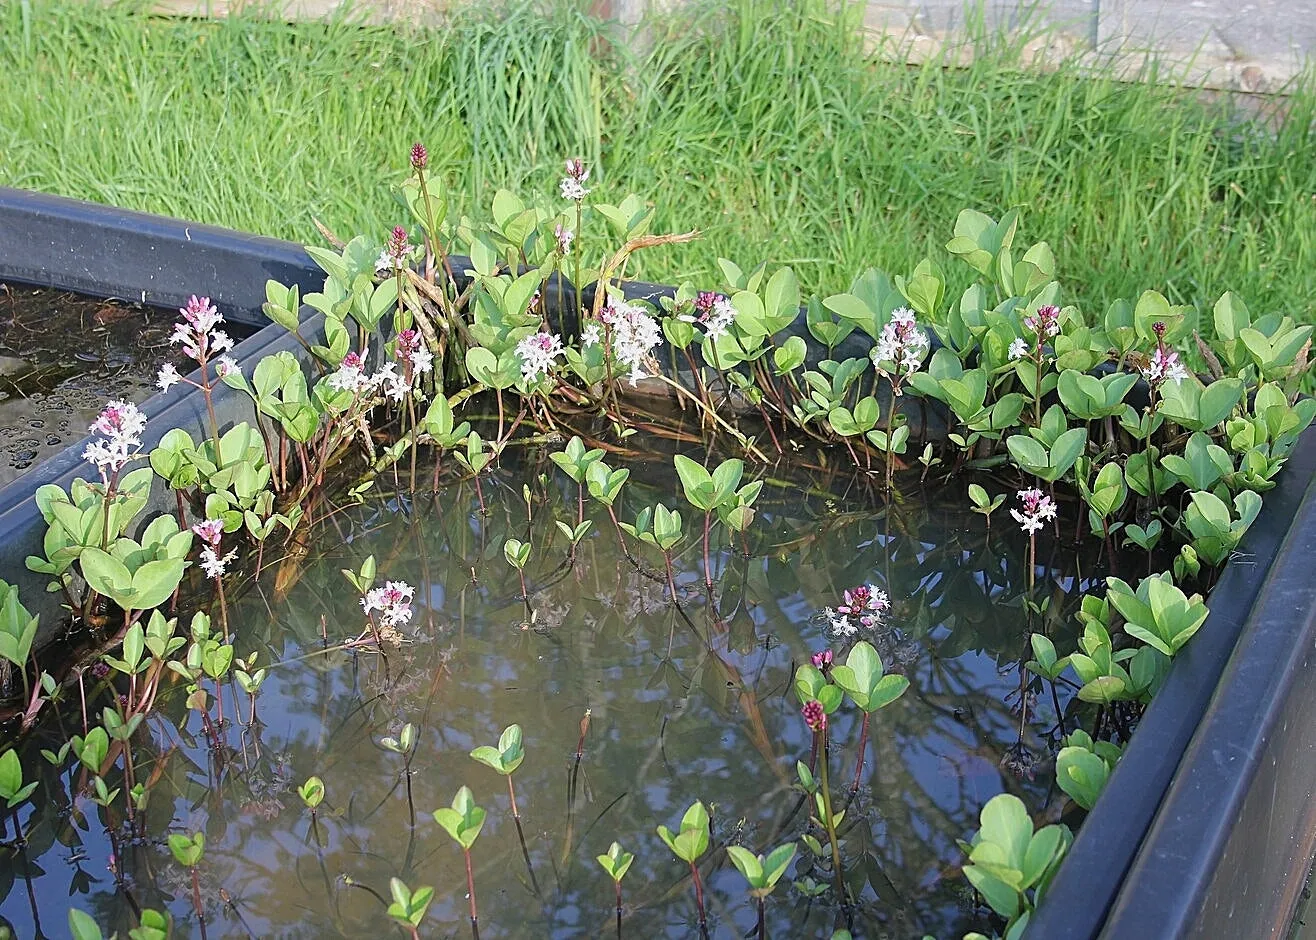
393,601
572,190
1038,507
634,336
1164,366
537,352
167,377
213,565
572,186
901,346
351,375
120,425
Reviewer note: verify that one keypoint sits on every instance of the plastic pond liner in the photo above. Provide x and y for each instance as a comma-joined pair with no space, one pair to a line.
631,708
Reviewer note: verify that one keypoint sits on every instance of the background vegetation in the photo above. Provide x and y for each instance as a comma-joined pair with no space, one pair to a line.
768,126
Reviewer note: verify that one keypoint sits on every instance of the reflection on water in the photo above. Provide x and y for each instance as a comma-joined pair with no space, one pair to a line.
62,356
683,703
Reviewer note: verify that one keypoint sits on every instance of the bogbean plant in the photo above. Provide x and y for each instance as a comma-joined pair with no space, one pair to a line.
1162,426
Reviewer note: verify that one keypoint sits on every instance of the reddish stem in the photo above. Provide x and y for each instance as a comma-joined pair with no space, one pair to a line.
699,901
196,902
470,893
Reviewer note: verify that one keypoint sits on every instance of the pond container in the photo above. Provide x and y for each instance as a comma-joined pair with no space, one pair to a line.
1207,827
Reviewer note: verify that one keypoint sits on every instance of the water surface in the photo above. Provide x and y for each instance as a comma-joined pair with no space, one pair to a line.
684,702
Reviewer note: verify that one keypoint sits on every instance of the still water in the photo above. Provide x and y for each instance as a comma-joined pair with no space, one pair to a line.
676,703
62,357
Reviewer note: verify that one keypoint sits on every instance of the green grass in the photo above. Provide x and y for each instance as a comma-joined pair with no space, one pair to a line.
769,129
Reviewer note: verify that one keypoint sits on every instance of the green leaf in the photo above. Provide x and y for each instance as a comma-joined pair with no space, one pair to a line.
154,582
749,864
1006,823
616,862
187,850
1081,774
1028,453
107,575
82,927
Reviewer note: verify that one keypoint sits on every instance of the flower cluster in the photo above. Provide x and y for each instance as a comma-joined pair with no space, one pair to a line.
814,716
351,375
1164,365
713,312
633,334
411,352
120,425
860,607
591,335
393,601
1038,507
564,237
1045,325
537,352
902,344
210,532
573,184
393,258
420,157
391,383
822,659
197,335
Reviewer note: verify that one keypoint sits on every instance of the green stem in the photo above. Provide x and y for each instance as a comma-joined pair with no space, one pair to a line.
829,822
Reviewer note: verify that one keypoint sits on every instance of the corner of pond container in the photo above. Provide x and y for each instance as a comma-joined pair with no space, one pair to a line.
1151,851
22,528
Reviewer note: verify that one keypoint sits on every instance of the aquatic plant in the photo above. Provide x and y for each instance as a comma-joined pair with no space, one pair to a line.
616,862
762,873
463,821
504,759
187,851
862,679
688,843
408,907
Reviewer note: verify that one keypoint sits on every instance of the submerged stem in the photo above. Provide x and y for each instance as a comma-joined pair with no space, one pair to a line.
699,900
470,893
196,902
830,824
863,745
708,567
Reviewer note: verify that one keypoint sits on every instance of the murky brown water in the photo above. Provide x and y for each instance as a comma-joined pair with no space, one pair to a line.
684,703
62,356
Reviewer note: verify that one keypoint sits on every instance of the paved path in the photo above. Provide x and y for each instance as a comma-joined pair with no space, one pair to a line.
1250,45
1253,45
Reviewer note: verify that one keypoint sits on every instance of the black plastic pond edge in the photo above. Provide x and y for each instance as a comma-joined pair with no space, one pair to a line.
1213,795
1156,774
1233,839
68,244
